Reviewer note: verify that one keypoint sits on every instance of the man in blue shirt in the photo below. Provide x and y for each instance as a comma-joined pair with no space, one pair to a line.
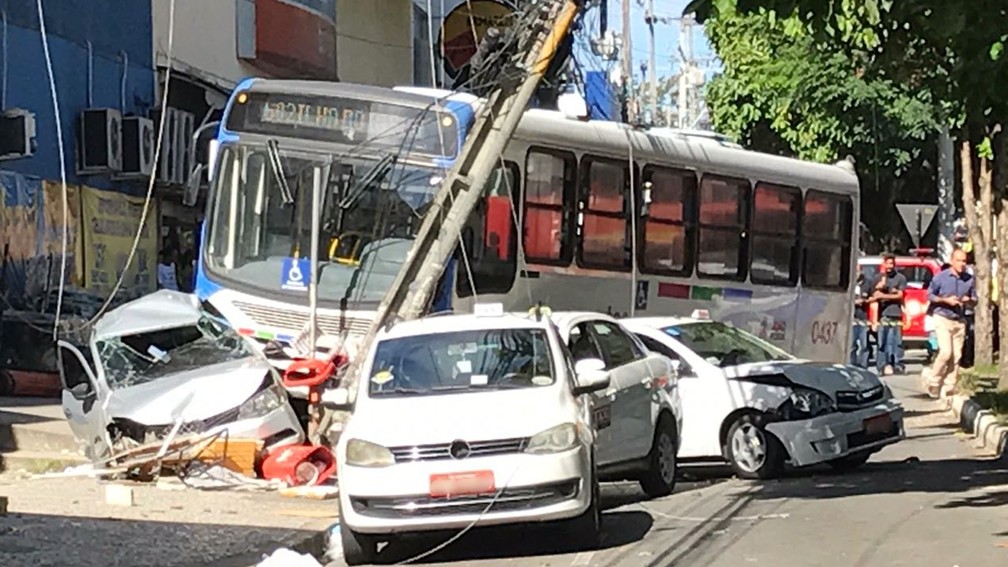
951,293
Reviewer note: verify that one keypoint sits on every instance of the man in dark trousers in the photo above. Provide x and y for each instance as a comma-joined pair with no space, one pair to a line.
951,293
859,333
887,293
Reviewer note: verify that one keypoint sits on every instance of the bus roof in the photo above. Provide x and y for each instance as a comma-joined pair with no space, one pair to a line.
712,154
330,88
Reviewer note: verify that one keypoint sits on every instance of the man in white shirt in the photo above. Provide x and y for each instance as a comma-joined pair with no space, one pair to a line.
166,270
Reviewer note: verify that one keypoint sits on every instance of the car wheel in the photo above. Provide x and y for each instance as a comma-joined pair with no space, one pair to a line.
358,548
585,531
659,480
753,452
850,462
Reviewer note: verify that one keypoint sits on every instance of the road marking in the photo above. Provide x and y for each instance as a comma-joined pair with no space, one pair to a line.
583,558
717,519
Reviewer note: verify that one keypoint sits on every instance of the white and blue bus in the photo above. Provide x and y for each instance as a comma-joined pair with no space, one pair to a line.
585,215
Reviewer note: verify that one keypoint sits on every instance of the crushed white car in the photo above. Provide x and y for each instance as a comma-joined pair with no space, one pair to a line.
757,407
162,363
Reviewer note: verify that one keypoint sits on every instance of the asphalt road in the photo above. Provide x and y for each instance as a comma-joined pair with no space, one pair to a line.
928,501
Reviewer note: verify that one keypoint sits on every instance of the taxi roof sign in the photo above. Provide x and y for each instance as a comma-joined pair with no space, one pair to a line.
700,314
488,309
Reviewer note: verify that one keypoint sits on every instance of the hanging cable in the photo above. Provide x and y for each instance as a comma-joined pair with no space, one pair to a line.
62,158
150,184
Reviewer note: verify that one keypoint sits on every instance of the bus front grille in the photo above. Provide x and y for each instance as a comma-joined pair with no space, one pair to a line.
296,320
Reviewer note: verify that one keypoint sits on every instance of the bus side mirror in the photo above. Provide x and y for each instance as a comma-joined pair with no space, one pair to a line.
193,186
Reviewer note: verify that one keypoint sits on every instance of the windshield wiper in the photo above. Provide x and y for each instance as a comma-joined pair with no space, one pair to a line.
273,151
402,391
377,172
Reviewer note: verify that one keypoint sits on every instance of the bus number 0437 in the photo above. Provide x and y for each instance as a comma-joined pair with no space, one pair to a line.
824,332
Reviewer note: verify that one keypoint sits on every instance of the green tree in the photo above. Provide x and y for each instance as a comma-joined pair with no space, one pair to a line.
784,92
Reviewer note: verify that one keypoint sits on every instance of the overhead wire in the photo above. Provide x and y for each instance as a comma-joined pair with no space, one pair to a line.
62,158
150,185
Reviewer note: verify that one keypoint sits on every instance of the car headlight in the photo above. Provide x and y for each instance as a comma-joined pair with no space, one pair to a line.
263,402
563,437
360,453
806,403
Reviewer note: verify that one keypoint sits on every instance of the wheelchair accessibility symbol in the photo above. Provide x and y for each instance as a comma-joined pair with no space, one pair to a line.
295,274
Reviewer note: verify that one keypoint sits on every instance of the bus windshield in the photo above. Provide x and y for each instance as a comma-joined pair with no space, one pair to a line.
261,221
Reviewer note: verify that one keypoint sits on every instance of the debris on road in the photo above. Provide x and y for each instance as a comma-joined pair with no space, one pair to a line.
287,558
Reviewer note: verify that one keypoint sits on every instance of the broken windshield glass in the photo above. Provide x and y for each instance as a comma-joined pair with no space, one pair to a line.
725,345
130,360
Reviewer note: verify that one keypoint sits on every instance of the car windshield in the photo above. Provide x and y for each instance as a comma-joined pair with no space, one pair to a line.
130,360
462,361
724,345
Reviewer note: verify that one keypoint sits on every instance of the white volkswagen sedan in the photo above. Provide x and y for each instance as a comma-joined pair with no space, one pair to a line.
757,407
639,435
469,420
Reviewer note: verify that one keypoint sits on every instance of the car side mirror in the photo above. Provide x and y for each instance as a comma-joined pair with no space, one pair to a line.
591,376
81,391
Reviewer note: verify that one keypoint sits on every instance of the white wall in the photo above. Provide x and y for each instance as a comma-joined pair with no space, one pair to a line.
204,44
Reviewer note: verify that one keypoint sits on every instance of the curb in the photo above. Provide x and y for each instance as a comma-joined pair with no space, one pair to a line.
982,424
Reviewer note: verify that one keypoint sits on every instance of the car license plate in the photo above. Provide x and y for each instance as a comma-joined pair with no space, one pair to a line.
878,424
459,484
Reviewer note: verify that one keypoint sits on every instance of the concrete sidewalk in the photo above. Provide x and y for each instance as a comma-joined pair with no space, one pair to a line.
68,521
35,437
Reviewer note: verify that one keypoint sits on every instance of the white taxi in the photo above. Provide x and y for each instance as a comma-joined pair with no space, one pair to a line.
469,420
754,405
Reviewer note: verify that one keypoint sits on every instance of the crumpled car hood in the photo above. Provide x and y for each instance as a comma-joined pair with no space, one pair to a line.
197,394
822,376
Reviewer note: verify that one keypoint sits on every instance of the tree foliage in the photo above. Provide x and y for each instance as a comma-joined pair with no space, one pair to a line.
783,91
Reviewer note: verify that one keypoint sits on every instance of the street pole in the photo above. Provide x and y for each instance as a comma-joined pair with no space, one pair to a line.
628,64
946,194
652,72
438,235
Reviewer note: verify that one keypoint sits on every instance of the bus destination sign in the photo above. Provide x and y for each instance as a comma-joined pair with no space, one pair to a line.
345,120
350,122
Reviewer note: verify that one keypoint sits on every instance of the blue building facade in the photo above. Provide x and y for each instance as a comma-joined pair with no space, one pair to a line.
101,56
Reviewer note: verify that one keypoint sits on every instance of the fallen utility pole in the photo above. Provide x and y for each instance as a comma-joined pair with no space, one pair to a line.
438,236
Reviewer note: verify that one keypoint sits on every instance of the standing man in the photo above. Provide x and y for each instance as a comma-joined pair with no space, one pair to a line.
887,292
951,293
859,334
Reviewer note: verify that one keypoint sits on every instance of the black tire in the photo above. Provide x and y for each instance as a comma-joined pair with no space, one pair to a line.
754,466
660,477
850,462
358,549
585,531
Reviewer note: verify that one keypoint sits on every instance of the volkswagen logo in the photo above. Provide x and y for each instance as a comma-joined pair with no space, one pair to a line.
459,450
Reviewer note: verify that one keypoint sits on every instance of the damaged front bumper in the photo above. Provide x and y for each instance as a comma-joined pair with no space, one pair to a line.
837,435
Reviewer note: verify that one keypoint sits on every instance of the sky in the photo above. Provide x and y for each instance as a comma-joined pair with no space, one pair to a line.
666,35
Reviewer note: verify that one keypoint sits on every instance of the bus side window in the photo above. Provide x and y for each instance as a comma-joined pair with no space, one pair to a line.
488,238
548,207
668,226
776,214
827,232
724,206
604,242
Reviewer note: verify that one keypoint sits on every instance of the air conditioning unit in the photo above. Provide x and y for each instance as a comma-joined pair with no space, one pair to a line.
186,124
138,147
17,134
167,167
99,141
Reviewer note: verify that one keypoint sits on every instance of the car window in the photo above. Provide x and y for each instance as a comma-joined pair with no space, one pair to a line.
656,346
582,344
462,361
617,347
73,371
724,345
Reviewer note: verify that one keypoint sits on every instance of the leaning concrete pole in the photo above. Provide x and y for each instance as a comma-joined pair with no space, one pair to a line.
438,236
